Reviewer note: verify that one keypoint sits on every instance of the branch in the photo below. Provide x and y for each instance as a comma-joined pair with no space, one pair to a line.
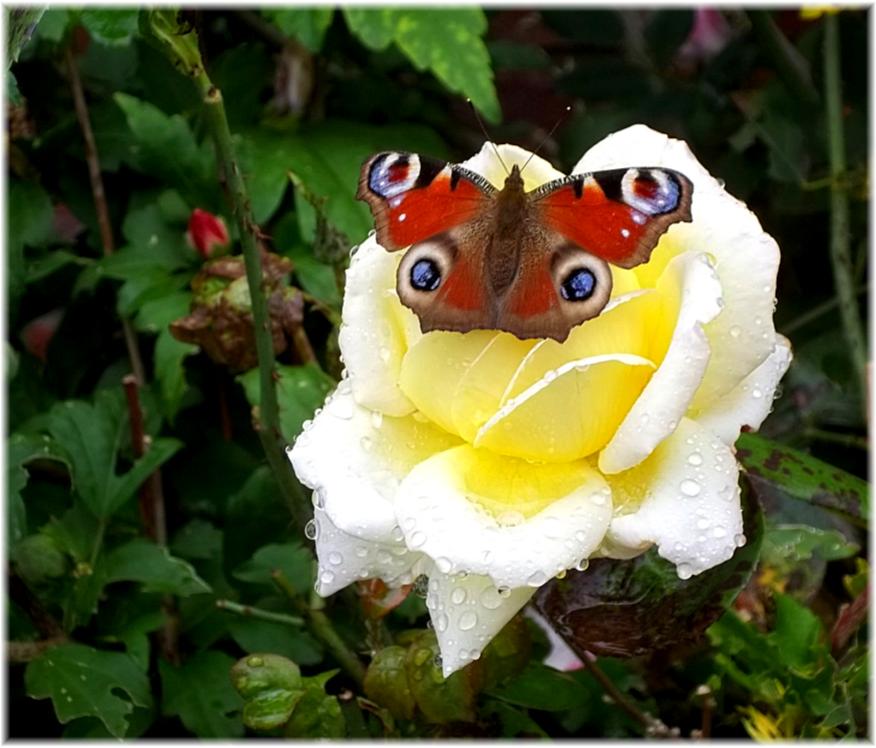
97,191
26,651
264,615
839,205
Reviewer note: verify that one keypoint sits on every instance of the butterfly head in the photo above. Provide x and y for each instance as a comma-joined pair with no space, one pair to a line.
514,180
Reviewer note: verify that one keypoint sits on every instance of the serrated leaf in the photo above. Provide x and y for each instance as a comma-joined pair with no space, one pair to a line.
300,391
154,567
20,450
85,682
170,356
627,608
772,466
201,695
457,56
90,435
293,559
165,148
307,25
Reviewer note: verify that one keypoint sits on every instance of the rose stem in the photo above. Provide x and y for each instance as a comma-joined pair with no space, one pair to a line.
184,53
839,205
321,626
265,615
103,220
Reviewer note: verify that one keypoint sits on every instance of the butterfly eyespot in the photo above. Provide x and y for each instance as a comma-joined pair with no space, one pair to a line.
425,275
579,285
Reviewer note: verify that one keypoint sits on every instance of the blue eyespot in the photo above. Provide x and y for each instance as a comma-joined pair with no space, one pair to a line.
579,285
425,275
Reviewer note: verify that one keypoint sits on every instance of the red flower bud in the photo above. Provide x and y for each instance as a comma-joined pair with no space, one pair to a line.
206,232
38,333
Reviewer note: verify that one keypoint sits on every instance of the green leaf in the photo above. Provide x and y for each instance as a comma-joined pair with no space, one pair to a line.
20,450
457,56
300,391
153,566
170,356
293,559
628,608
440,699
317,715
85,682
307,25
110,26
386,682
255,635
165,148
30,218
90,435
37,559
199,540
271,686
20,25
666,32
774,467
800,542
542,687
796,633
201,695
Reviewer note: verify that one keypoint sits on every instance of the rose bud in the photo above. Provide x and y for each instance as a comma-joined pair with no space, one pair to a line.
206,232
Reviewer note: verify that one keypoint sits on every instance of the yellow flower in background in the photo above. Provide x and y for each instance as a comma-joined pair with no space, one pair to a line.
813,12
491,464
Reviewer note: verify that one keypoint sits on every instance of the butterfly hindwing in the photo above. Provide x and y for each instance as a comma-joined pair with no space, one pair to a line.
618,215
414,198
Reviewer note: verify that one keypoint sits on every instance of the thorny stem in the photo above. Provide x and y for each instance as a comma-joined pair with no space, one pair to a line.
322,628
269,413
264,615
100,206
839,204
653,726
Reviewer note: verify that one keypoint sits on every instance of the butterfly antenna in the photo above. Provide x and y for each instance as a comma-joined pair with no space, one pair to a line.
486,134
547,137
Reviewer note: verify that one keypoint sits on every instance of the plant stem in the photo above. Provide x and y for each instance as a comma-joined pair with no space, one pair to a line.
264,615
845,440
816,312
269,414
839,205
790,65
27,651
100,206
321,626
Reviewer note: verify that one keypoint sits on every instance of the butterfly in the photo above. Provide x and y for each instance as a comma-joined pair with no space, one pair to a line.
534,264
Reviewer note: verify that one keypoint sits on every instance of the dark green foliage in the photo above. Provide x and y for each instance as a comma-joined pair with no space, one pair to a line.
120,631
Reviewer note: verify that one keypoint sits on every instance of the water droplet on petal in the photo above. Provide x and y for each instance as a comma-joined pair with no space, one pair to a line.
311,530
444,565
457,597
418,538
739,539
583,564
684,571
537,579
441,622
327,577
376,419
335,558
503,591
467,621
690,487
695,458
735,331
490,598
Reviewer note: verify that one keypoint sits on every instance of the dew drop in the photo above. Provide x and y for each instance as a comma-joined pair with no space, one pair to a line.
335,558
684,571
376,419
504,592
690,487
756,393
311,530
444,565
327,577
421,585
735,331
490,598
739,539
695,458
361,551
583,564
396,534
441,622
457,597
418,539
537,579
468,620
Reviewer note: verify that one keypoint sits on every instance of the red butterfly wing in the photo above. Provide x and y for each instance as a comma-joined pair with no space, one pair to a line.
414,198
618,215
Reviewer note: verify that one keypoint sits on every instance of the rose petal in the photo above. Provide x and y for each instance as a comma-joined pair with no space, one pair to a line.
684,498
344,558
441,503
355,460
495,168
551,421
750,402
689,284
467,612
377,330
746,258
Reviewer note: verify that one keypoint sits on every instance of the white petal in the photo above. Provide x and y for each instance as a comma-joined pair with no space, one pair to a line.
670,390
467,612
746,258
344,558
495,168
355,460
750,402
377,329
684,498
561,656
439,519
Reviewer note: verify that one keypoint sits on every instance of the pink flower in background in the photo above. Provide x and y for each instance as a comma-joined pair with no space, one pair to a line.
38,333
206,232
709,35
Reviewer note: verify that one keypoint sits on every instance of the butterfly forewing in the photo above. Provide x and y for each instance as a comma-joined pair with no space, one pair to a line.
618,215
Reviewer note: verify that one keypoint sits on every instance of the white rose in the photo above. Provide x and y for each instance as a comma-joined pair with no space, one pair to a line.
491,464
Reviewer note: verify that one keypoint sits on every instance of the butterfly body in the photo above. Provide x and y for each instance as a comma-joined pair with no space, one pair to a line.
532,263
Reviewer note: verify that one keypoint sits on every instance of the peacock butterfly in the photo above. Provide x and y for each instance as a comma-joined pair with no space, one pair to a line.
532,263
